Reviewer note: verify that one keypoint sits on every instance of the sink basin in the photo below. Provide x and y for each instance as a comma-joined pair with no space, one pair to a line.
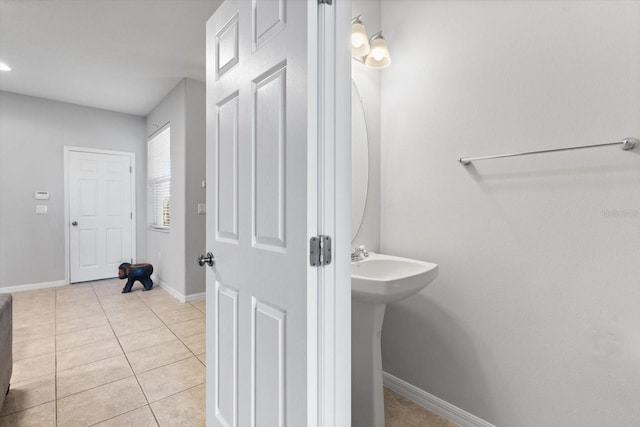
383,279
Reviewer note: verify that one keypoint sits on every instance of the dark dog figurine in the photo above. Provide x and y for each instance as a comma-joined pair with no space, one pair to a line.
139,272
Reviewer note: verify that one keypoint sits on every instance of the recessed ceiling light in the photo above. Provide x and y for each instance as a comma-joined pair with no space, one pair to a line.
4,67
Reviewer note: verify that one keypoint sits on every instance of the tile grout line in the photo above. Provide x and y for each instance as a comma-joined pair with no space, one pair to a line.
162,366
194,355
93,361
28,407
124,413
109,324
148,404
148,346
81,330
112,357
128,362
95,387
33,378
174,334
175,394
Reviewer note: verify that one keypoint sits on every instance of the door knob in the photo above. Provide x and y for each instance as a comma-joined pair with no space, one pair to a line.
74,223
206,259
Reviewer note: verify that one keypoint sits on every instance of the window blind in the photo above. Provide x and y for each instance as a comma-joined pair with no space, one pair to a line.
159,180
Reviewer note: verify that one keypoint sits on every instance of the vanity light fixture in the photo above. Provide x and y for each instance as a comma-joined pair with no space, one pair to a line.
359,38
378,57
4,67
373,51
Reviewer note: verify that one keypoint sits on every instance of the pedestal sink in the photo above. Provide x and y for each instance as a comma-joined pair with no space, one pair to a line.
376,281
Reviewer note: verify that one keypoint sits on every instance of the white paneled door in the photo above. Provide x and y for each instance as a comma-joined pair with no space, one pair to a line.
100,214
263,366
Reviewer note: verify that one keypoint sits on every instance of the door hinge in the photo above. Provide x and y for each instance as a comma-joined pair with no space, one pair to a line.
320,251
130,169
328,2
130,215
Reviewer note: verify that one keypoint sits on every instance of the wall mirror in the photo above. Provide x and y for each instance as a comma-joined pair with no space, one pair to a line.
359,161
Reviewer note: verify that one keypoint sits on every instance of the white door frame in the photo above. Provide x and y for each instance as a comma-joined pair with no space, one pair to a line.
132,156
334,299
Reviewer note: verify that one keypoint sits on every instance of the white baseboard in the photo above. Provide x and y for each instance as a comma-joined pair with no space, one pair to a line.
176,294
195,297
433,403
171,291
33,286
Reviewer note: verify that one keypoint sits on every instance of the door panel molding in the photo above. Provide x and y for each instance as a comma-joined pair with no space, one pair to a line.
228,46
226,355
268,350
267,21
227,155
268,157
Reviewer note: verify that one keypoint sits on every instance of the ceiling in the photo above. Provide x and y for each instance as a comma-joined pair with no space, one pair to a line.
118,55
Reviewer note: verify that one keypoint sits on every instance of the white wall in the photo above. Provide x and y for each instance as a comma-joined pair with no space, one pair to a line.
33,132
173,253
368,82
534,319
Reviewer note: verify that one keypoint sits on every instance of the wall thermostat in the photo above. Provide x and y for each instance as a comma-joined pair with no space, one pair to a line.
42,195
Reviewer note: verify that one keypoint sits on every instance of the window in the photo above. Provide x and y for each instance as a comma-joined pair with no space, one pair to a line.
159,180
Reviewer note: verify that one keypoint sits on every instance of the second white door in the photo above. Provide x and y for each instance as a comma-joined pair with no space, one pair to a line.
100,214
261,150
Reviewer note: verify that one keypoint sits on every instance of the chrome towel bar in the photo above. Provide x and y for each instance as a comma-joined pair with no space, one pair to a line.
625,144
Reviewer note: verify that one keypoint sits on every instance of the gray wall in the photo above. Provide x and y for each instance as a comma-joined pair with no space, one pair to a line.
195,193
534,318
166,249
173,253
33,132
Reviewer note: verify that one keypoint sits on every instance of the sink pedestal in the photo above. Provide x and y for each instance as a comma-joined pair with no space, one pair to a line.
367,398
376,281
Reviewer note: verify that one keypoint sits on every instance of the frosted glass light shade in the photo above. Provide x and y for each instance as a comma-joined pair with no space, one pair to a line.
379,54
359,40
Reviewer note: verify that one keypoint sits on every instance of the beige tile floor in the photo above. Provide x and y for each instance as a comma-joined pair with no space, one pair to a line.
88,355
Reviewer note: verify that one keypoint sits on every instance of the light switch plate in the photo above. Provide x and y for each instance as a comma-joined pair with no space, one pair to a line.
202,209
41,209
